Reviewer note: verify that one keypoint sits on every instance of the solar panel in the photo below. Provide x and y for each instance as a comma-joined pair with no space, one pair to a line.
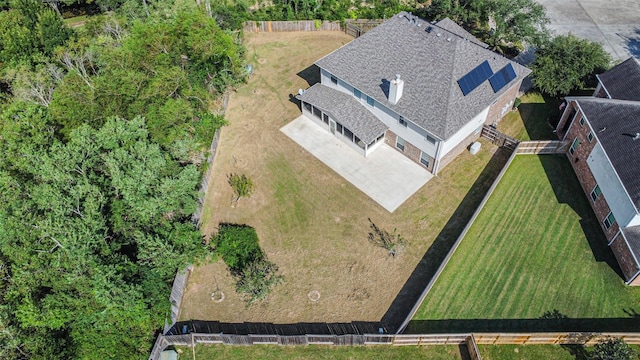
501,78
475,77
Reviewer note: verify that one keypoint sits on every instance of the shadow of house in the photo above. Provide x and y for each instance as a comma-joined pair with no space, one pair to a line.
633,44
567,190
428,265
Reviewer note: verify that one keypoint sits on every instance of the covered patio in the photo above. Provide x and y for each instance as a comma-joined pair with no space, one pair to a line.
385,175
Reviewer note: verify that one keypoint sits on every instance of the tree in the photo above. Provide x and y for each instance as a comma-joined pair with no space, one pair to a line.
498,22
566,63
612,349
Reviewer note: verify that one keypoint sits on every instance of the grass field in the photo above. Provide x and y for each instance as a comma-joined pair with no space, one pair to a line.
311,222
266,352
535,259
527,352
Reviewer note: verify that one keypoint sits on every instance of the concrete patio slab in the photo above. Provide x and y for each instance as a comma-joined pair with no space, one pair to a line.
386,176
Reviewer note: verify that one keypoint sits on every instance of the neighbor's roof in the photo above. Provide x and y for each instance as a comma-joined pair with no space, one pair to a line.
346,110
622,82
615,122
430,63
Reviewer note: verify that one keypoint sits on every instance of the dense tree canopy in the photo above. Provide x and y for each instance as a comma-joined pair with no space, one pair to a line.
103,132
566,63
497,22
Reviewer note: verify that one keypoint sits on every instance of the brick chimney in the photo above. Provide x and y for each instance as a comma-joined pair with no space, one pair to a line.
395,89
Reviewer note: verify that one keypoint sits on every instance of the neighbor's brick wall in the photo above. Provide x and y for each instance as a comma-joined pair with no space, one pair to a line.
462,146
625,259
566,116
599,92
496,109
410,151
588,182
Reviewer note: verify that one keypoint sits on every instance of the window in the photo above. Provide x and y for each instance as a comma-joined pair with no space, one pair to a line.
317,112
402,121
400,143
424,159
307,106
582,121
348,134
334,79
595,193
430,139
357,93
339,126
370,100
609,221
590,136
574,146
325,118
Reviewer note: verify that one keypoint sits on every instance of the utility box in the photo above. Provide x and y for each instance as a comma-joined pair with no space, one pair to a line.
475,148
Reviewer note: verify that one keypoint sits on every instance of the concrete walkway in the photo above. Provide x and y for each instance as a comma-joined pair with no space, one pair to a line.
386,176
613,23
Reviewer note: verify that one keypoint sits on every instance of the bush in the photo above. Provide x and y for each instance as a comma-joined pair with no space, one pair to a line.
517,103
237,245
241,184
612,349
257,279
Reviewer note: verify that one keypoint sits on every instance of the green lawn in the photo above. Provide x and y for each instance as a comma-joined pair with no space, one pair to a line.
266,352
531,120
527,352
535,259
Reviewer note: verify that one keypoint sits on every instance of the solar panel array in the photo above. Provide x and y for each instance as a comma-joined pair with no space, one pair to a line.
501,78
475,77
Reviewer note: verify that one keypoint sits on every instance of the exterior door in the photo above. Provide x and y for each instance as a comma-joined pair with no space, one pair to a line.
332,126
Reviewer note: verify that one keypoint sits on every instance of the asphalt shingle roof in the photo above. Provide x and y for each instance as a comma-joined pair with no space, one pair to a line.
430,63
622,82
615,123
346,110
454,28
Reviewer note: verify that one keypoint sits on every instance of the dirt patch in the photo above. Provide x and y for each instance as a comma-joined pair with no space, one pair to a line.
311,222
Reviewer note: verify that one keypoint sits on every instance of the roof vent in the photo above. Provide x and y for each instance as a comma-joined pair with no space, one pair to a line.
429,28
449,39
636,136
438,34
395,89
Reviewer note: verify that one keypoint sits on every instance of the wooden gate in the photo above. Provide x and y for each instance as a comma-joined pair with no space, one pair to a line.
498,138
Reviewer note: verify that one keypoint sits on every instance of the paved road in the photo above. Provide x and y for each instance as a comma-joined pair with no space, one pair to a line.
613,23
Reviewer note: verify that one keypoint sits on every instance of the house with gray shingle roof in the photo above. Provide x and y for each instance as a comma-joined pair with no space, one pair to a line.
425,89
604,133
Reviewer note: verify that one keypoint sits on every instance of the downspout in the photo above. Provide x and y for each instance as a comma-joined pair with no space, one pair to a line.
436,163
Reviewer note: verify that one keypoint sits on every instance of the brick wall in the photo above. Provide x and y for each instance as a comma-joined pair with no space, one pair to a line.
503,101
566,117
410,151
625,259
588,182
451,155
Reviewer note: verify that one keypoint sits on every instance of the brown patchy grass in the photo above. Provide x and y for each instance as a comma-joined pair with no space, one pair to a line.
311,222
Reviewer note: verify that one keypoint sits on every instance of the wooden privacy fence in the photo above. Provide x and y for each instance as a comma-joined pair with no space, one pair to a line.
356,28
286,26
468,339
542,147
498,138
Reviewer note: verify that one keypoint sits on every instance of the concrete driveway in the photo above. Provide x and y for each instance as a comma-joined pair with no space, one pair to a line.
386,176
613,23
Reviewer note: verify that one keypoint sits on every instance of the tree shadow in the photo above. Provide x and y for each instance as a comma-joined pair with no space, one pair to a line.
311,74
540,119
428,265
568,191
633,44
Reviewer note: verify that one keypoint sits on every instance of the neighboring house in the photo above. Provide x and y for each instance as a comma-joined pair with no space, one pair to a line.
425,89
604,133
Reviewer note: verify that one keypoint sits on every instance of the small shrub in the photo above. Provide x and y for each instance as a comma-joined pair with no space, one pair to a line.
392,242
612,349
242,186
256,280
318,24
516,103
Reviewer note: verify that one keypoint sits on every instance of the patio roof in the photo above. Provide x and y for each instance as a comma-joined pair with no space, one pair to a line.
346,110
